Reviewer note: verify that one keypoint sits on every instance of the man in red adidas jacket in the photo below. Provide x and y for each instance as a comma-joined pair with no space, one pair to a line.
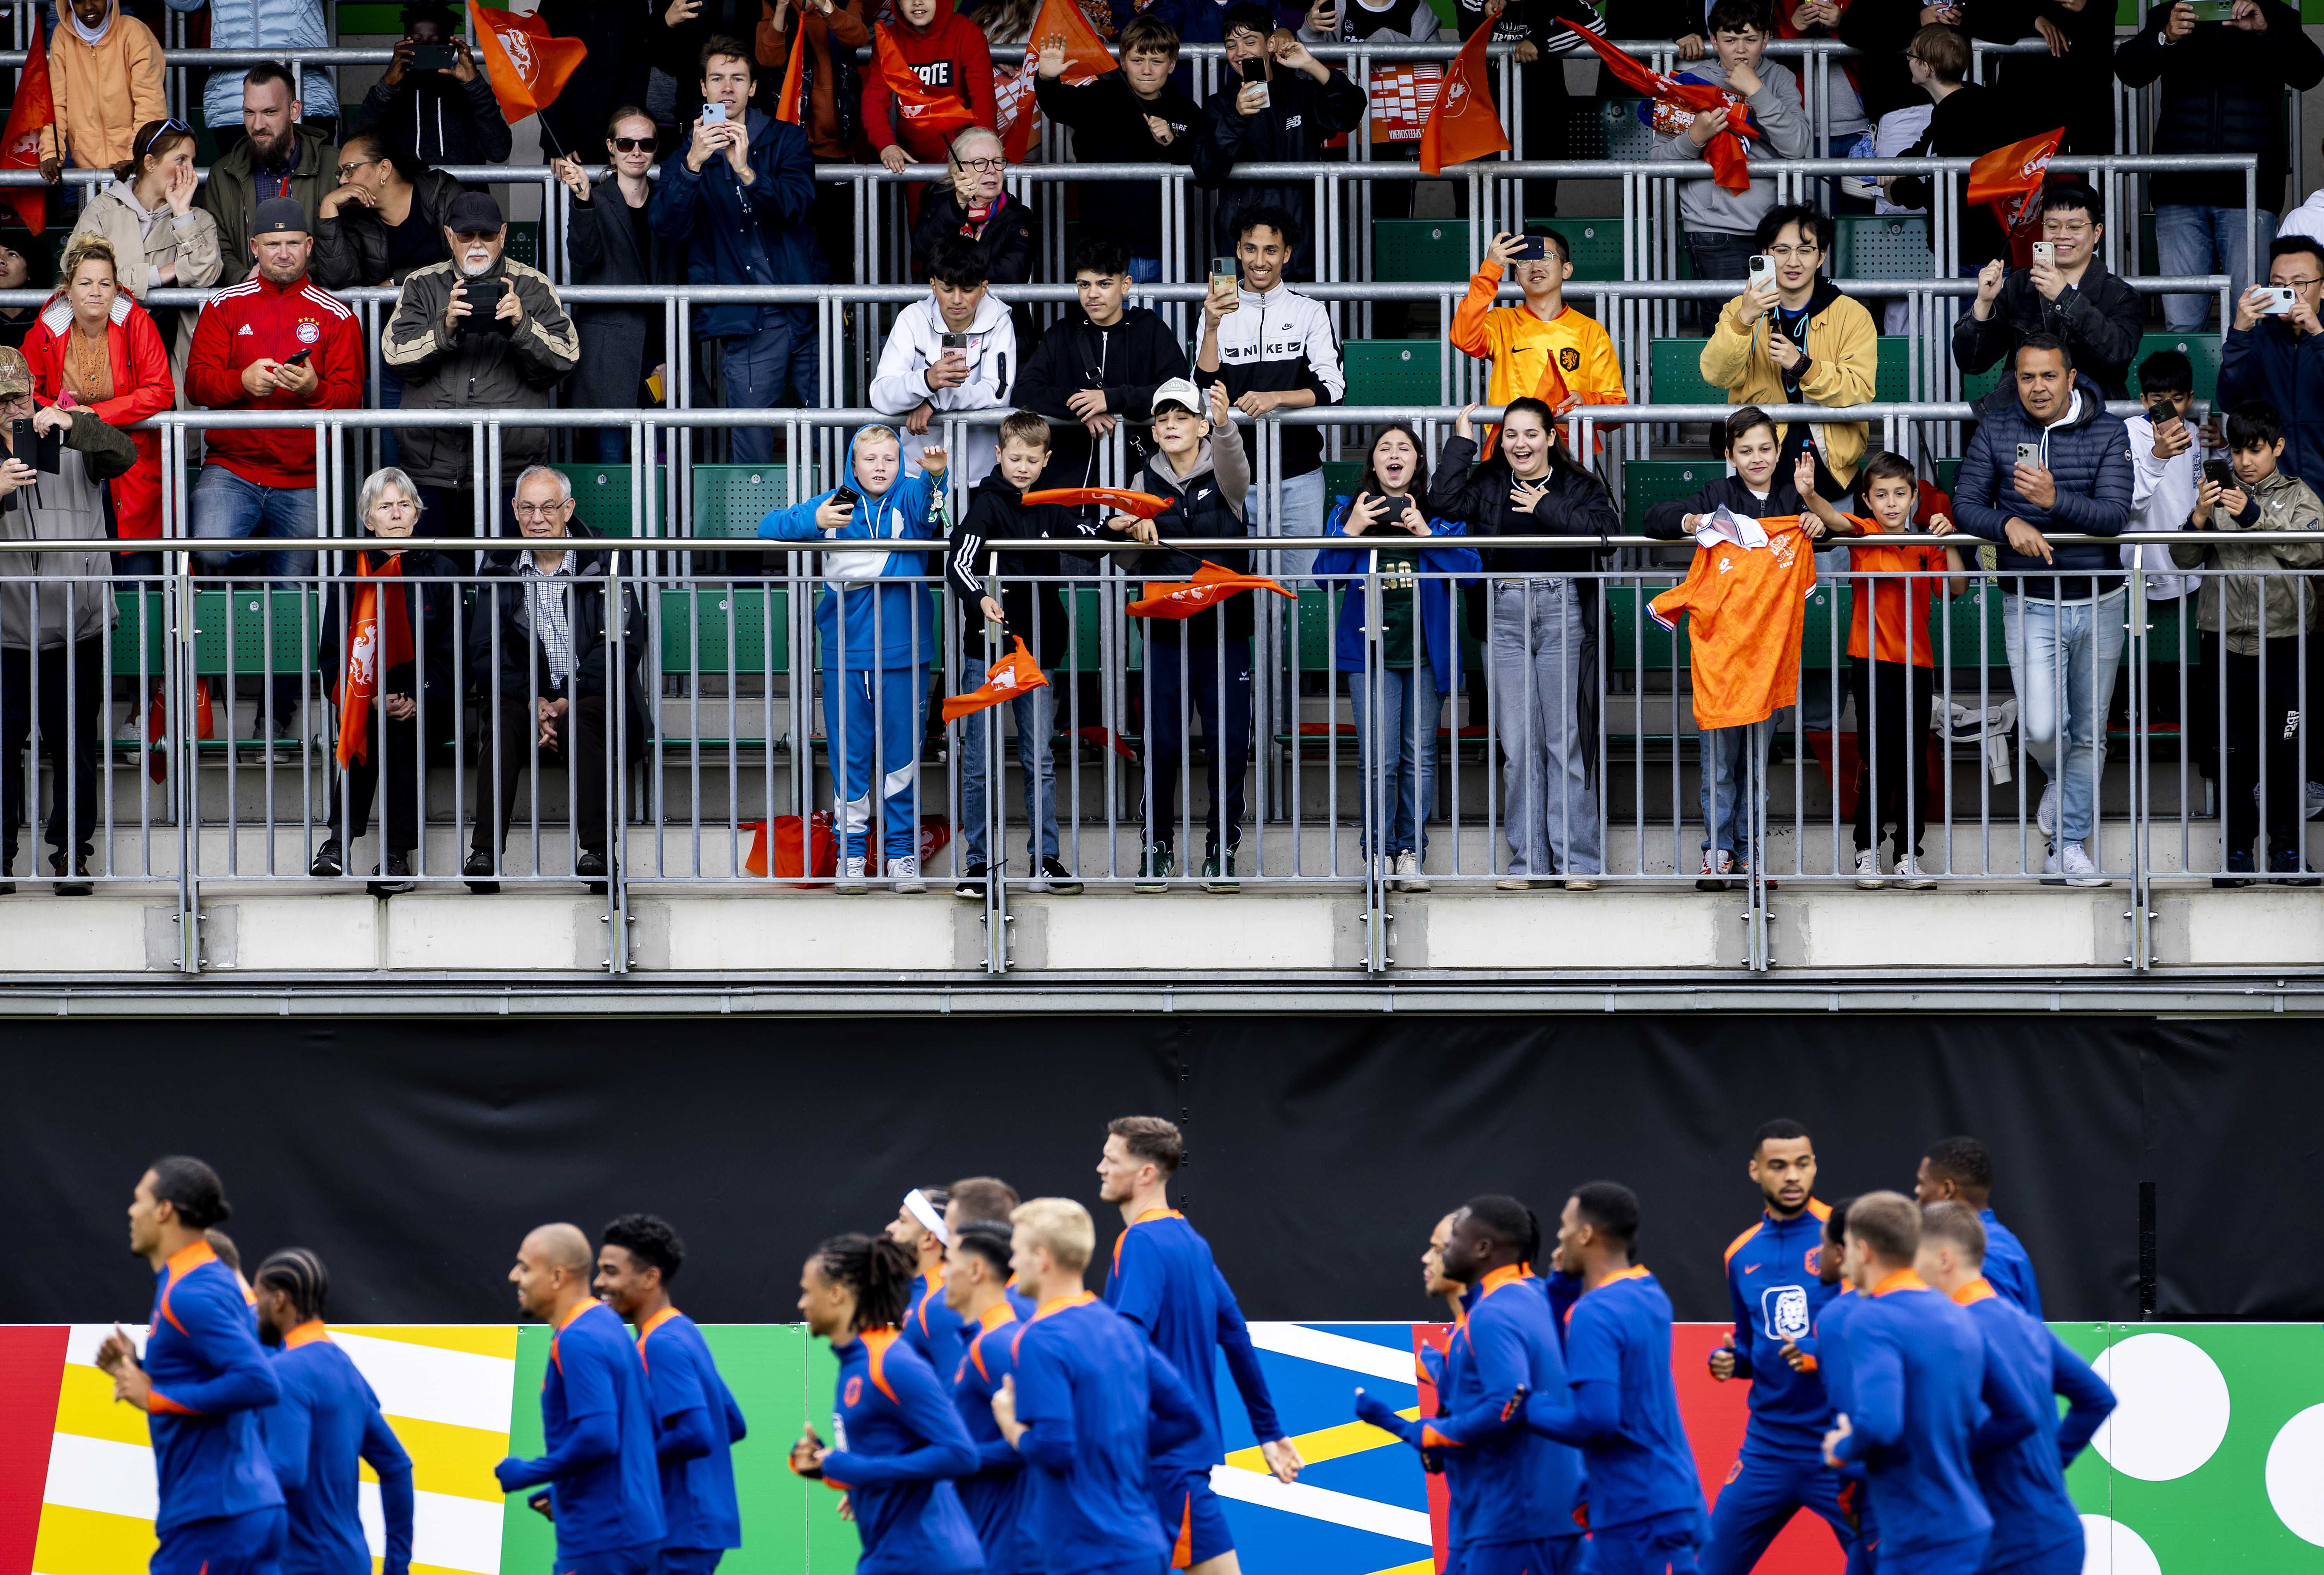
277,341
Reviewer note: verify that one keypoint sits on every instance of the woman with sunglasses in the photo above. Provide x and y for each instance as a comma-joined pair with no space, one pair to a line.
611,242
383,219
160,238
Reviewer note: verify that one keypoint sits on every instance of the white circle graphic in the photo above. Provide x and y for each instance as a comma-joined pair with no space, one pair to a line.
2172,1409
2112,1547
2295,1475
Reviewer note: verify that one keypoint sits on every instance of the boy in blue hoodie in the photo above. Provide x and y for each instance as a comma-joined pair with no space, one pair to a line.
875,623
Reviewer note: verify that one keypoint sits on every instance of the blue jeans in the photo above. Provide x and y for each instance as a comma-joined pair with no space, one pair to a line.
227,507
980,733
1534,664
391,398
1401,706
756,371
1145,269
882,727
1734,786
2063,657
2206,240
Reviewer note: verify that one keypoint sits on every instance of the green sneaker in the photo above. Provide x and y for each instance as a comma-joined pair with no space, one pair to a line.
1153,874
1216,879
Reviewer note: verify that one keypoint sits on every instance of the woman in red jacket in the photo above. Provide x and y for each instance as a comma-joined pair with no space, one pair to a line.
95,346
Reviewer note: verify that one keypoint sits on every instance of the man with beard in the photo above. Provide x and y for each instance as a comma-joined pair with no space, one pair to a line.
482,331
278,157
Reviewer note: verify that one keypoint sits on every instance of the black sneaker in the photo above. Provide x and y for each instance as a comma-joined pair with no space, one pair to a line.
395,876
331,862
72,880
1219,875
2285,866
1056,878
1154,873
2240,871
970,888
591,866
477,872
7,864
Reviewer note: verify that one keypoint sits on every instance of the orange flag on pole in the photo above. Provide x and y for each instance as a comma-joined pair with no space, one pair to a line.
1014,675
1681,102
1087,60
381,640
2009,181
942,115
34,110
788,107
527,65
1211,585
1464,124
1144,505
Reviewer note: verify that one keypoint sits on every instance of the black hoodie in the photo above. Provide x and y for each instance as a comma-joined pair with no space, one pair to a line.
1667,520
996,514
1128,361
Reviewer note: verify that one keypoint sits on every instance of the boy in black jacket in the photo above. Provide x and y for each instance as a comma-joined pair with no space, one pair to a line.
1097,367
1030,611
1130,116
1296,105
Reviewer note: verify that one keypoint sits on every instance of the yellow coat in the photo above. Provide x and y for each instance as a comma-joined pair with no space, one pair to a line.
1843,351
103,94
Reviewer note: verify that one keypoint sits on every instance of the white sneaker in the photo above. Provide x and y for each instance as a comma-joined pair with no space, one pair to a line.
1868,869
2079,869
1581,883
906,874
1408,874
1513,883
1912,876
2046,816
851,875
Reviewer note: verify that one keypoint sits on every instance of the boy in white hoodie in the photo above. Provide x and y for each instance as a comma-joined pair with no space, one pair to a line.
921,375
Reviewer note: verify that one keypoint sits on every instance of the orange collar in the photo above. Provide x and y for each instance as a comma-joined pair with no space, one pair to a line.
1901,1280
579,1308
1158,1214
1059,1303
1637,1271
999,1313
1509,1274
307,1333
654,1322
1978,1290
935,1277
187,1258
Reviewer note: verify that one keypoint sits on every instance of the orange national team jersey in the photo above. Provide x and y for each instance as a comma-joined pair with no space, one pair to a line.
1891,622
1519,345
1744,606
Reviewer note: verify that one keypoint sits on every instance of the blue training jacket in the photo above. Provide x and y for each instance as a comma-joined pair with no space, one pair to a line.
998,1498
889,620
697,1426
2024,1481
2009,1267
209,1380
1774,1283
328,1420
898,1443
1436,623
1165,1281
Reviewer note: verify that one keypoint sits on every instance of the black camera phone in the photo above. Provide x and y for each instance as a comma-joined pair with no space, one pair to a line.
1253,69
846,497
1531,249
299,357
434,56
483,298
2162,411
2220,472
35,449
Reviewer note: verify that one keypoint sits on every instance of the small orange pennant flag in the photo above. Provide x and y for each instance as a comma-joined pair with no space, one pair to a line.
1087,60
1014,675
381,640
33,111
790,108
1465,124
2009,181
1145,505
944,114
527,64
1211,585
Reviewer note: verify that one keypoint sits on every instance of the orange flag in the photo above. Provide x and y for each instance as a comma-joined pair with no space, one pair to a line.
1087,60
790,108
1211,585
382,640
34,110
1145,505
1014,675
528,66
918,107
1676,103
1464,124
2009,181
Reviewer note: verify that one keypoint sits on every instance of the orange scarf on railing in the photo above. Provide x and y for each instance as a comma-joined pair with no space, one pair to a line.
381,639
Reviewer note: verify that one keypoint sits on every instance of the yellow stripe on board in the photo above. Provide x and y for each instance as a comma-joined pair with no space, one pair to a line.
378,1564
89,1542
447,1459
1417,1567
492,1339
1330,1444
86,1406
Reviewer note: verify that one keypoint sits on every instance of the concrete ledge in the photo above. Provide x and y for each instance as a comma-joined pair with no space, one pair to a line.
1566,929
281,934
511,932
2255,926
1201,932
79,935
2015,928
810,932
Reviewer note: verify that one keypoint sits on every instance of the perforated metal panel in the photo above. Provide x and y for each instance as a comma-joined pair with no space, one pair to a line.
1393,371
244,617
1622,133
2202,349
1420,251
1678,373
714,632
1892,381
729,500
1648,482
1883,246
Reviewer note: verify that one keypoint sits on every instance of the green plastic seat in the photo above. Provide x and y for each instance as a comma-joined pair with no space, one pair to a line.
729,500
1678,373
271,631
1597,240
2203,350
601,498
1420,251
1882,247
140,635
742,630
1394,372
1648,482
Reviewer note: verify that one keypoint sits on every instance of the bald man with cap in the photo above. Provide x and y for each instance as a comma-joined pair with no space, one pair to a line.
605,1488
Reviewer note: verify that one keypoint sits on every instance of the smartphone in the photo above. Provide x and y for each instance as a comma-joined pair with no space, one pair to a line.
2162,411
1531,249
2045,252
2029,454
41,452
1763,271
299,357
714,113
2214,10
955,342
483,298
846,497
1255,71
2219,472
1223,270
434,58
2278,303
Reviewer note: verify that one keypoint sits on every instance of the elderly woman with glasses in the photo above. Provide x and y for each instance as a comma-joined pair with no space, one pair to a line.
394,638
383,219
159,239
612,243
975,204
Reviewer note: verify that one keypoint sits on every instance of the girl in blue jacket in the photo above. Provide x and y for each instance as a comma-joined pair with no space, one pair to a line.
1400,681
875,623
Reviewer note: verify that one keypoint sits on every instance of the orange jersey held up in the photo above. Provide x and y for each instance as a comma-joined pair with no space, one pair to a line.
1745,607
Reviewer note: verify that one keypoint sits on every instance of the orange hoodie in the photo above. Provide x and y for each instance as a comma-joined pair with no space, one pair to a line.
950,55
104,91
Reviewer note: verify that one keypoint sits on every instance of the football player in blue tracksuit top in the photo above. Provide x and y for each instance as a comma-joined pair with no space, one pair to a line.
1916,1375
1960,1170
1775,1287
875,624
1092,1402
1512,1493
202,1384
1644,1503
1163,1280
2036,1530
998,1496
697,1422
1827,1348
930,1325
897,1442
605,1488
326,1425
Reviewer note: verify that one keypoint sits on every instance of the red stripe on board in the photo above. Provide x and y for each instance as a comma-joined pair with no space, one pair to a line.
1715,1414
32,1369
1440,1501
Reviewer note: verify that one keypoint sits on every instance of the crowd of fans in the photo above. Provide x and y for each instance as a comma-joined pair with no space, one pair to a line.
707,184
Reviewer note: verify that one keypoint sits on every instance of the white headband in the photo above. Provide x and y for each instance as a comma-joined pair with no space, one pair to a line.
927,1214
